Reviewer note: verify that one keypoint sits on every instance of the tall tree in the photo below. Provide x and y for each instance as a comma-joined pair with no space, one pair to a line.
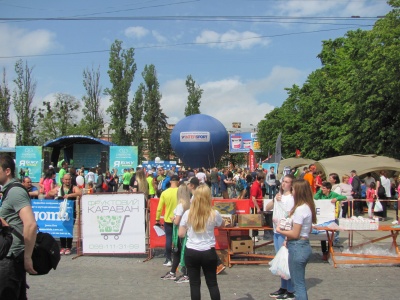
122,71
22,99
92,121
195,92
156,120
136,110
57,117
6,124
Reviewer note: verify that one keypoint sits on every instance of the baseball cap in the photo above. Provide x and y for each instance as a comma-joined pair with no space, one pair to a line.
149,172
174,178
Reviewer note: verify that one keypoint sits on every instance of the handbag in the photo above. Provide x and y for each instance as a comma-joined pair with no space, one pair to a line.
378,206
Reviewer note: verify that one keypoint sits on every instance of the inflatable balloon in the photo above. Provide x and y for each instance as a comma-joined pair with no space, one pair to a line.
199,140
80,181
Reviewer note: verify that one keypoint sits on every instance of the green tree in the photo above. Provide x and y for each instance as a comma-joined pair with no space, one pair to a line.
58,117
22,98
92,121
156,120
122,70
195,92
6,124
136,110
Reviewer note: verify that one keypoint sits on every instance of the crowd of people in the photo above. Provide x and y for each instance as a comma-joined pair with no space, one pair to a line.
189,218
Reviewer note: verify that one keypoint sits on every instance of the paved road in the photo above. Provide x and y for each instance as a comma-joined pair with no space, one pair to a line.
94,277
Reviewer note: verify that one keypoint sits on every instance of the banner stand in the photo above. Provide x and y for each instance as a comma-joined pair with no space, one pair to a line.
79,251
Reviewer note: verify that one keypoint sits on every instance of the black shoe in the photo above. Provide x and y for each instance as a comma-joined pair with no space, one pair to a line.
278,293
286,296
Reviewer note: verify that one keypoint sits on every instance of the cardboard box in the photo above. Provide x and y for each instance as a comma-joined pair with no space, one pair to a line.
225,207
254,220
229,219
241,244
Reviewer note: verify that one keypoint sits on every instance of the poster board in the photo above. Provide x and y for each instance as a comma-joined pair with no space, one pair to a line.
113,223
47,218
240,142
123,157
29,159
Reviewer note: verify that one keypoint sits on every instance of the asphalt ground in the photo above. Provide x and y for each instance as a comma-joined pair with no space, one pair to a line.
129,277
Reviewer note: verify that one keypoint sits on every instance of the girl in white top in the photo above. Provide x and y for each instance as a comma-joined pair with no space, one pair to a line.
199,223
303,215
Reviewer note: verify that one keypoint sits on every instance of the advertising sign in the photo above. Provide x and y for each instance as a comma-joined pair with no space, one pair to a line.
113,223
166,165
243,142
123,157
47,217
325,211
7,141
194,136
29,159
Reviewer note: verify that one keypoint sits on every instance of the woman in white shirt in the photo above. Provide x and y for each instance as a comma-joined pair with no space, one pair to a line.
199,222
303,215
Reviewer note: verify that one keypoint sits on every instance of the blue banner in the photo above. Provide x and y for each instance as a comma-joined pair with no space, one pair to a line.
243,142
123,157
29,160
166,165
47,218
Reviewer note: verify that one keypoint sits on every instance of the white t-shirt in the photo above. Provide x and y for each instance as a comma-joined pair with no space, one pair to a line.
282,209
201,177
178,211
386,184
201,241
303,216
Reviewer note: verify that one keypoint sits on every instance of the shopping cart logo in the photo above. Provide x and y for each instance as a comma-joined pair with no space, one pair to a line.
111,225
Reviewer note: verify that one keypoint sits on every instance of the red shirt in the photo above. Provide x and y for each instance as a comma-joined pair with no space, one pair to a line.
256,192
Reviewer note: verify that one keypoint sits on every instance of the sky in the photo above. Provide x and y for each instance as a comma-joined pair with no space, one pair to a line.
242,53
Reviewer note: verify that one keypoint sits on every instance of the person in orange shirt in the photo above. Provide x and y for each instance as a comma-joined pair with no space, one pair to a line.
309,177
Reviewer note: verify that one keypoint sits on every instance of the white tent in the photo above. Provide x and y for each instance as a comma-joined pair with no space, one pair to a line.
361,163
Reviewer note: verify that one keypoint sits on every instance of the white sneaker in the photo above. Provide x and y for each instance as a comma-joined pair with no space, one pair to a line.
167,263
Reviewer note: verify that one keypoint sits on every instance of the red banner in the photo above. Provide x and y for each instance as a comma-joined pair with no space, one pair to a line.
252,160
221,240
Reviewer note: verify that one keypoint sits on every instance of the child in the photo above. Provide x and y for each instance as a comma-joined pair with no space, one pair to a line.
90,188
371,195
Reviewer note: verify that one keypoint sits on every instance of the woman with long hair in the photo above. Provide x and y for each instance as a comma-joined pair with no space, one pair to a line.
303,215
199,223
48,182
140,184
179,243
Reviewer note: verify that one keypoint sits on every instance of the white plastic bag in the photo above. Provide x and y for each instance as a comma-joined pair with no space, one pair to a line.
62,214
280,263
378,206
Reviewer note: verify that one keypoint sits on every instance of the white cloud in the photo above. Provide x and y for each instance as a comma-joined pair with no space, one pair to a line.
18,41
231,100
231,39
136,32
160,38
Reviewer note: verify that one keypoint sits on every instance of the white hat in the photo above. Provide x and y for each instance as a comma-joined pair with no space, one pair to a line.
51,167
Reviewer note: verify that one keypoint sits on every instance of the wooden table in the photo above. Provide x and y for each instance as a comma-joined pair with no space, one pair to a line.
252,258
387,231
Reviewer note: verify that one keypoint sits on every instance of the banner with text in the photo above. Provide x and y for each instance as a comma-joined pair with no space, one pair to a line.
123,157
243,142
29,160
47,218
113,223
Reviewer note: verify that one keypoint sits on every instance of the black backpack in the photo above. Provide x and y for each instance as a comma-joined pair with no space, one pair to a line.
46,252
381,192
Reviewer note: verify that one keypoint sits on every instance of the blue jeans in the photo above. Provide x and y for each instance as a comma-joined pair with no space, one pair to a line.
299,254
278,242
168,227
215,189
271,191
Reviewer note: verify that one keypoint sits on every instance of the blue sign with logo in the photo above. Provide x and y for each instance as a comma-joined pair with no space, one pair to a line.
47,217
166,165
29,159
123,157
243,142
